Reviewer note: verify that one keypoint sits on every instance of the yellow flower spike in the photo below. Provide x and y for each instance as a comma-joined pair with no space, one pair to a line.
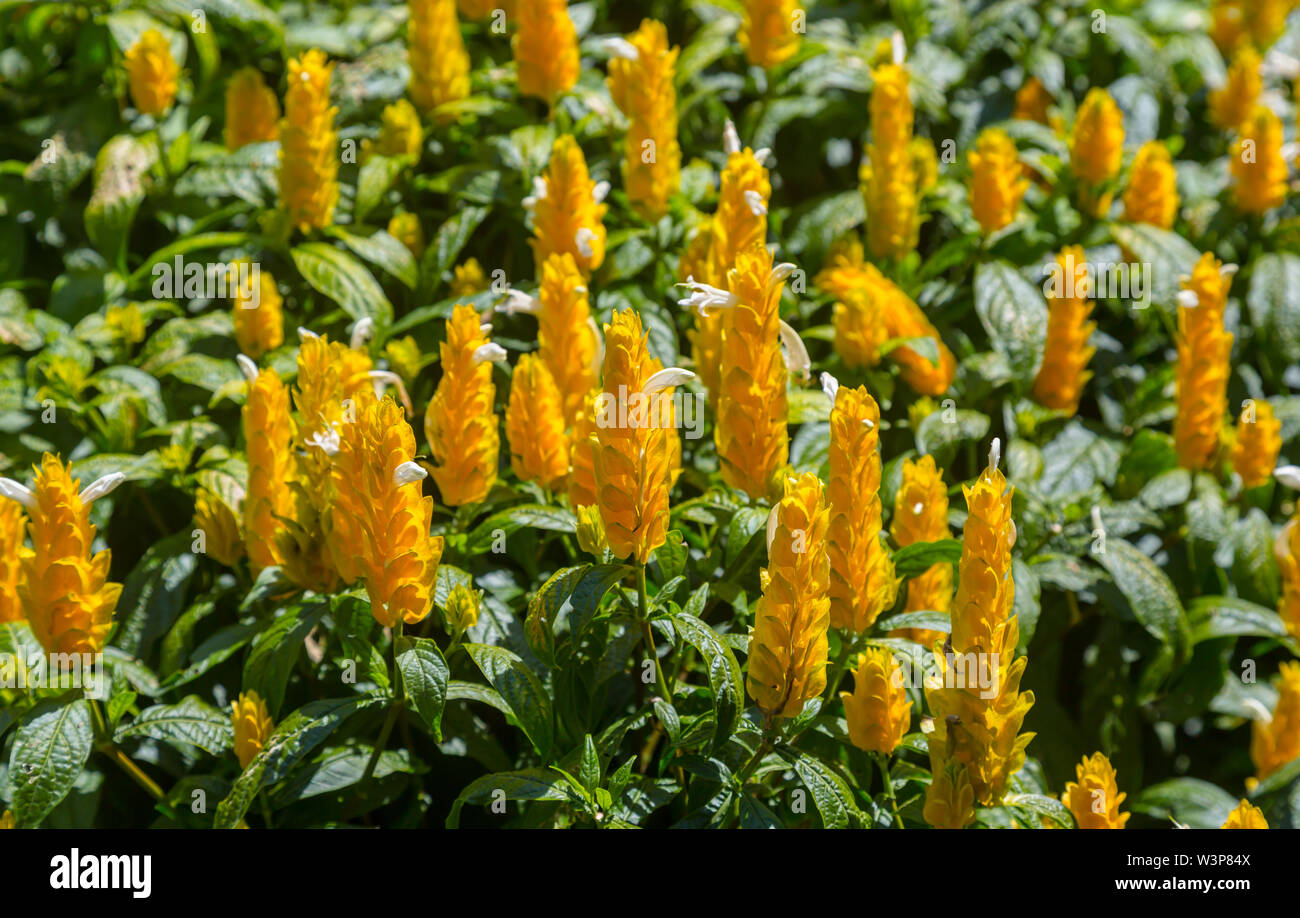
1259,172
950,799
925,163
152,73
404,357
566,334
13,528
1201,377
996,186
1064,369
751,431
631,447
1286,548
1232,103
787,652
400,133
378,527
1094,798
641,83
921,515
535,425
460,425
862,583
546,49
1257,443
329,375
768,31
1032,100
268,430
252,110
568,209
1245,816
309,141
1152,193
253,726
1096,149
461,611
582,458
1276,742
63,585
591,532
220,527
258,311
889,184
439,62
877,710
405,228
468,279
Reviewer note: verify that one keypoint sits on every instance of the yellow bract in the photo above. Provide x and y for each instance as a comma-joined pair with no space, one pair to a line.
921,515
643,88
152,71
877,710
770,31
546,49
252,111
253,726
1275,742
439,62
461,425
1064,370
258,313
888,177
996,185
1094,797
567,216
13,530
309,144
1152,193
1245,816
1257,442
1259,172
216,520
1201,377
535,425
1096,149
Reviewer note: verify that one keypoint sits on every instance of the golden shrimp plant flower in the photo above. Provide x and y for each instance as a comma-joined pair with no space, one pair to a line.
950,798
152,73
378,527
252,110
770,31
1096,149
1032,100
252,725
1257,443
467,279
461,424
788,648
888,177
400,132
877,710
546,49
439,62
1259,171
1152,192
862,580
568,209
1094,797
258,311
13,530
268,432
1286,549
996,183
1276,741
1232,103
641,76
63,586
461,611
214,518
921,515
539,450
405,228
1201,377
1066,353
309,142
1245,816
582,457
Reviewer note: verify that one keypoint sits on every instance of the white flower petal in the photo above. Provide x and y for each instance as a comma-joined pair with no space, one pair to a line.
247,367
1288,475
582,239
995,453
518,301
831,386
704,297
755,202
730,139
16,491
797,360
621,47
489,352
599,191
362,332
666,378
101,487
407,473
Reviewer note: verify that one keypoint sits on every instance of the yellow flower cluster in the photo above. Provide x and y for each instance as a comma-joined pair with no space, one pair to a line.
568,210
641,84
309,144
252,110
152,73
1202,373
996,185
1096,149
888,179
769,31
921,515
1152,192
546,49
439,62
1064,369
461,425
1094,797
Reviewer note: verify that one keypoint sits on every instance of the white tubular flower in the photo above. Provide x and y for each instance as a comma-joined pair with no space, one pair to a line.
19,492
704,297
755,202
305,333
247,367
582,239
1228,270
772,520
898,47
995,453
599,192
1188,299
101,487
831,386
408,473
761,155
621,47
362,332
381,378
665,379
326,439
539,194
492,352
779,273
730,139
797,360
518,301
1288,475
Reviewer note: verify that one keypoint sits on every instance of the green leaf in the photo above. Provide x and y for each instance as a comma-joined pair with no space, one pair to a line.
1212,617
1150,594
945,429
831,795
383,251
340,277
275,651
374,178
1168,254
724,676
154,592
928,619
191,722
521,690
1014,314
528,784
537,516
1042,806
1274,301
447,245
50,748
424,679
250,173
1075,460
1188,801
337,768
917,558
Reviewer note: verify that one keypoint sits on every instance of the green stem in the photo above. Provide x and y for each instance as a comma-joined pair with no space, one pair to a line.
847,649
391,719
110,749
883,762
642,604
764,747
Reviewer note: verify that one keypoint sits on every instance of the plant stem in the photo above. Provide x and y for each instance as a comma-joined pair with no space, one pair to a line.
883,762
110,749
391,719
764,747
847,649
648,635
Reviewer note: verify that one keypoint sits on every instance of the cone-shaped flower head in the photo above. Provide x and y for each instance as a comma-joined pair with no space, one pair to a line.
769,33
13,530
566,336
996,183
546,49
461,425
63,586
252,111
1245,816
1152,193
378,527
220,527
539,450
1256,445
787,652
258,310
1032,100
467,279
439,62
921,515
405,228
877,710
151,72
1232,103
1259,172
568,210
1094,797
268,430
1286,549
1276,742
1096,148
950,799
461,611
641,83
309,142
582,456
1202,374
751,434
253,726
863,583
1236,22
632,451
400,133
1064,369
888,178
